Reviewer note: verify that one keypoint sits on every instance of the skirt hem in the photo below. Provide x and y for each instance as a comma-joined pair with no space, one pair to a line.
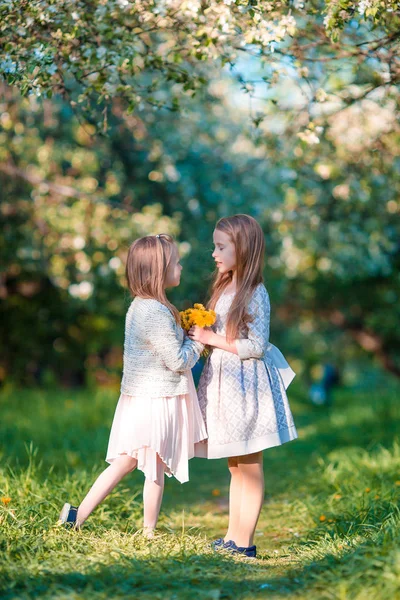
169,471
244,447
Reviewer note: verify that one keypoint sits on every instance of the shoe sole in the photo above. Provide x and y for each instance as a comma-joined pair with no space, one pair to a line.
62,519
235,551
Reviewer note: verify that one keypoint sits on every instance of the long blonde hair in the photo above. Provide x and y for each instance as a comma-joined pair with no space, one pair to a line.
248,239
146,268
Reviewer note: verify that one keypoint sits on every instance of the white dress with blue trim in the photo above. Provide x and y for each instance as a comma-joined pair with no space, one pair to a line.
243,397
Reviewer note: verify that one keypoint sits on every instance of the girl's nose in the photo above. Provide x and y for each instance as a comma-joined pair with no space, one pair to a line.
214,254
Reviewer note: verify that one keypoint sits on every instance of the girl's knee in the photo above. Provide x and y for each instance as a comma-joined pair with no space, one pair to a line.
127,463
132,465
233,467
252,463
232,462
250,459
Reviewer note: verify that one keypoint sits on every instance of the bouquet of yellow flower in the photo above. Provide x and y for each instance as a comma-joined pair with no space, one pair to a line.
200,316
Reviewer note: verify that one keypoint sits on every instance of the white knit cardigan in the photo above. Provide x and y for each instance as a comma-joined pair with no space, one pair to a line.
156,352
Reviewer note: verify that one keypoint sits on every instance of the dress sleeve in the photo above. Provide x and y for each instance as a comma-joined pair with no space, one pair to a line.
176,354
257,341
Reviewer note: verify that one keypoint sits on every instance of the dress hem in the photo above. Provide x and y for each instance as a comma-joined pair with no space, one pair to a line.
169,472
244,447
134,454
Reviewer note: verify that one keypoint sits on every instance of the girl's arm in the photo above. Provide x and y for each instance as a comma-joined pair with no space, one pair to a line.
207,337
257,340
177,355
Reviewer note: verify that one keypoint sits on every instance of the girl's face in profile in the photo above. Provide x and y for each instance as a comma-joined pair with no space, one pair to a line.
173,276
224,252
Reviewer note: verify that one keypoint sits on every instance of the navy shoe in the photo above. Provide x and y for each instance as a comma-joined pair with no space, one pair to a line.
217,544
250,551
68,515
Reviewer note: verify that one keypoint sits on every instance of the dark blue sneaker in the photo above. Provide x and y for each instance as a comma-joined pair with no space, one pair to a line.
68,515
230,546
217,544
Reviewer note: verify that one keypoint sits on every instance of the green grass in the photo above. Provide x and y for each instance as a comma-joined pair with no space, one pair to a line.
329,527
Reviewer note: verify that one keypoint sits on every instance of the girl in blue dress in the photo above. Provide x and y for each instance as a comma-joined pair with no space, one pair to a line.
242,390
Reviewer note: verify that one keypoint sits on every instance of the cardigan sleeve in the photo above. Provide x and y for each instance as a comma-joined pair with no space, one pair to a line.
257,341
176,354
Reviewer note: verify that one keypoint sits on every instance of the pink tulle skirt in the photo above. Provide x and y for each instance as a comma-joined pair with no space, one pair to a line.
169,427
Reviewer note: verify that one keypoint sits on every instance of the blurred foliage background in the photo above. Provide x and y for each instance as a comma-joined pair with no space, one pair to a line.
298,129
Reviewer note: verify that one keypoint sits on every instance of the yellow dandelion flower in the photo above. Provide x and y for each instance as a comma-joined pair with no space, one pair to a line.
216,492
322,518
185,320
209,319
397,482
367,490
6,500
337,496
198,315
199,319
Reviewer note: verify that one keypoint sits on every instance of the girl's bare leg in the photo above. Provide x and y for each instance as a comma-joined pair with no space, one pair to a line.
235,499
252,497
152,497
104,484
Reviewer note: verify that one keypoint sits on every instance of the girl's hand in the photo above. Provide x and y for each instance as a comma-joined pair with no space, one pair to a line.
200,334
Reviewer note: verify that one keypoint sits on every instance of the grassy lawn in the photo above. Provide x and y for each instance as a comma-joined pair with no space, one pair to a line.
329,527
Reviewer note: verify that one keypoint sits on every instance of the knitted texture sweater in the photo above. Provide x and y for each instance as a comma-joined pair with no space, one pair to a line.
156,352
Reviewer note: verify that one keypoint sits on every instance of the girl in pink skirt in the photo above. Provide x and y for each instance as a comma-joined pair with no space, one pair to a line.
157,421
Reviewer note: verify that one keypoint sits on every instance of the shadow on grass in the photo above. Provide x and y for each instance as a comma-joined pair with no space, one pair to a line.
362,565
208,576
180,577
76,439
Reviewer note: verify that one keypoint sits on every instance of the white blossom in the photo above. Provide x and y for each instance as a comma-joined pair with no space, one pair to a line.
363,5
81,290
309,137
114,263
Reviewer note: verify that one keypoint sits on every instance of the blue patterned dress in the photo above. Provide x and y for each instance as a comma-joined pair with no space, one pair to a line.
243,397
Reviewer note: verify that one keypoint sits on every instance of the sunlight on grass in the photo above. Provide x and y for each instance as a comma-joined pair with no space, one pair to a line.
329,527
